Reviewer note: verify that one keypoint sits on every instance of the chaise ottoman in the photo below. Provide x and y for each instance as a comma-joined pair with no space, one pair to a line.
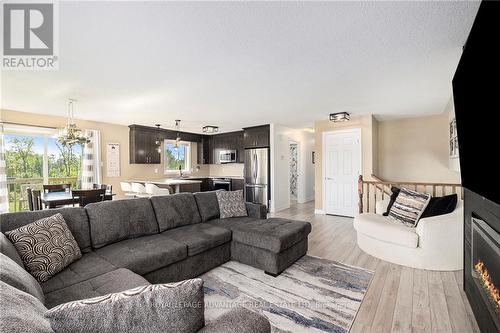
271,245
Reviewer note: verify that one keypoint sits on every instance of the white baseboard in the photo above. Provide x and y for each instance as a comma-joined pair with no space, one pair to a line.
319,212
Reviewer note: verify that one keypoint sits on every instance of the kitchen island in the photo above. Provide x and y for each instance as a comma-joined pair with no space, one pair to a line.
177,184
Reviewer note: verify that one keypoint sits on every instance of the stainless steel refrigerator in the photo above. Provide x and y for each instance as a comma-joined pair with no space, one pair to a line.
257,175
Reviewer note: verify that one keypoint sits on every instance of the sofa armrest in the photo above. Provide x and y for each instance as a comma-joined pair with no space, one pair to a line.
238,320
255,210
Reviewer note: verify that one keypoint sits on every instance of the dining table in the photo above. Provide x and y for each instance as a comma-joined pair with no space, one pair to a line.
56,199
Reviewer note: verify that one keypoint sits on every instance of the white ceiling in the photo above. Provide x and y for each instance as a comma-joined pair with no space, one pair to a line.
237,64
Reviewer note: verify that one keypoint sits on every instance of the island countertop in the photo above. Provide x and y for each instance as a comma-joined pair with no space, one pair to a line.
167,181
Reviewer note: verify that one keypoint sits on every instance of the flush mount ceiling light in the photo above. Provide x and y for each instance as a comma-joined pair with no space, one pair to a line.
210,129
339,116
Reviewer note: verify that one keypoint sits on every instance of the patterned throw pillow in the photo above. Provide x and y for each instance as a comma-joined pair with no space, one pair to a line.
173,307
46,246
409,206
231,204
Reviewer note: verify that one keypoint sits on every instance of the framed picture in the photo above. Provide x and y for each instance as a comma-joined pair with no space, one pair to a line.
453,139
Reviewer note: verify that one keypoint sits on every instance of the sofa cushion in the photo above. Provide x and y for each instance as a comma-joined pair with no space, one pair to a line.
273,234
409,206
176,307
21,312
208,206
231,204
231,222
14,275
112,282
46,246
386,229
90,265
175,210
199,237
76,219
7,248
144,254
113,221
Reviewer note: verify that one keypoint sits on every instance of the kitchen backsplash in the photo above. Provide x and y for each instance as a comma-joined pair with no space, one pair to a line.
226,170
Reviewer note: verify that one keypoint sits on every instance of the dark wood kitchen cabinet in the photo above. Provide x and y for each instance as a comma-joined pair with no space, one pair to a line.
143,149
256,137
204,154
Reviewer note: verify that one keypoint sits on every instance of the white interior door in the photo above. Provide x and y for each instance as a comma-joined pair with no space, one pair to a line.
341,169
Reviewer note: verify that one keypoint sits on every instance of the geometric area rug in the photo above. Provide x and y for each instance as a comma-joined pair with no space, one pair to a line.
312,295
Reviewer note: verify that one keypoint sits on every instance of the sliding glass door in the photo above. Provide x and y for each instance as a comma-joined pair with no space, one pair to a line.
33,158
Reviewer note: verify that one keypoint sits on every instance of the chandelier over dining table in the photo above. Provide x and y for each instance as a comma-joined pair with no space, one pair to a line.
71,135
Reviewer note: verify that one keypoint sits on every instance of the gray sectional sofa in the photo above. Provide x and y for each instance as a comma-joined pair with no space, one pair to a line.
129,243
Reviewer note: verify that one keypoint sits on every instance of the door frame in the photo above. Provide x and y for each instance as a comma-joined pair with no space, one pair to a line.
356,130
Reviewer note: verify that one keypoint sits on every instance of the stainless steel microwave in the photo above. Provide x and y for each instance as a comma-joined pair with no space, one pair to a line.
227,156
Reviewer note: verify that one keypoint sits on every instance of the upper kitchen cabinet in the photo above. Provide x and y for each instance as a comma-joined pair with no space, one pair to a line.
143,149
204,153
256,137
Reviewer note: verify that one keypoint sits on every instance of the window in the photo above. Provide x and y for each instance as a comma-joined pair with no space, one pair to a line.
177,157
33,158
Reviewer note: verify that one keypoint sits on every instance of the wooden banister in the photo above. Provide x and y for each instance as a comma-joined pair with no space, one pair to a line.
369,189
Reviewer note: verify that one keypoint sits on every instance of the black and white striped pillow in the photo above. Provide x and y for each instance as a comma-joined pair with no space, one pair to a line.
46,246
409,206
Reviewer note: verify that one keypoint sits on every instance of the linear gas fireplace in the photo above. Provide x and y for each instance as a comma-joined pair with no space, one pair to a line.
485,265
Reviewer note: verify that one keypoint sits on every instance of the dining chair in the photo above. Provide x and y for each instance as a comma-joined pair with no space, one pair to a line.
85,197
29,198
108,188
154,189
126,188
56,188
36,197
139,190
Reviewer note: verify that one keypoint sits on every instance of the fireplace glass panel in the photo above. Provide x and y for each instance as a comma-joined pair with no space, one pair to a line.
486,265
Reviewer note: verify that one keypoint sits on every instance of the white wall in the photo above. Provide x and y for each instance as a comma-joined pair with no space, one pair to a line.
280,166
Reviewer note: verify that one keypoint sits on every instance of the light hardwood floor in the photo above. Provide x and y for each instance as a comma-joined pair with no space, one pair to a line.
399,299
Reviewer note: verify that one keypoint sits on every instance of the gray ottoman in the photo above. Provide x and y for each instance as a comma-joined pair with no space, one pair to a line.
271,245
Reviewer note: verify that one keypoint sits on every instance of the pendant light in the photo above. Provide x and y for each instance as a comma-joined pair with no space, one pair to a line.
71,135
158,140
177,128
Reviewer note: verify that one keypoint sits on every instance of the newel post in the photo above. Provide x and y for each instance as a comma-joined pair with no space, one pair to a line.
360,193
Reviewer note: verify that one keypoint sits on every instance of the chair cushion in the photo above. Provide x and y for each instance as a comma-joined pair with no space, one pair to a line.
90,265
21,312
8,249
76,220
175,307
14,275
175,210
208,206
112,282
231,204
273,234
385,229
144,254
113,221
199,237
232,222
46,246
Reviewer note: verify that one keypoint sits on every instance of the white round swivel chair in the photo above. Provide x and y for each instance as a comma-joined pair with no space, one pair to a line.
126,188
